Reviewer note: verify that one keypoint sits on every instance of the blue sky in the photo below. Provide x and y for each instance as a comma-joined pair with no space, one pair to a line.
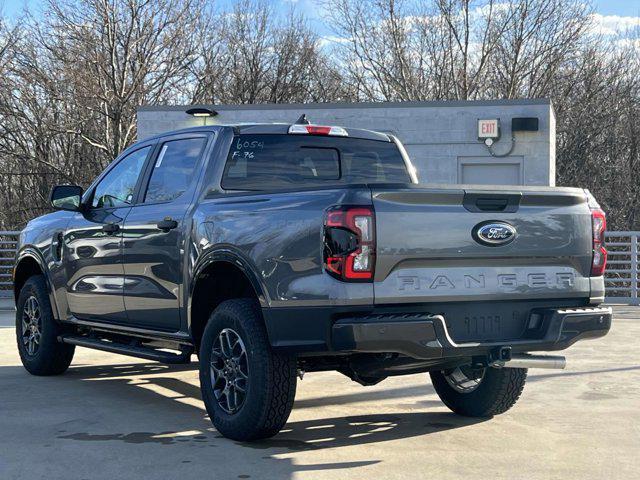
630,8
605,7
311,8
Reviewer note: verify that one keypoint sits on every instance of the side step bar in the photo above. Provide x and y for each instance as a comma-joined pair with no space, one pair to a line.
131,350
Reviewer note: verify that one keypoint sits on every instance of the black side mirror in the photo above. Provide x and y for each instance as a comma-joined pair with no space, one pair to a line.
66,197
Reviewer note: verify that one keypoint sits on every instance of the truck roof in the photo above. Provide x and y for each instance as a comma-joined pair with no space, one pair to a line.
273,128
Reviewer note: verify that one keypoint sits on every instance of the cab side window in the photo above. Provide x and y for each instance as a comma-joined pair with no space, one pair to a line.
174,169
116,189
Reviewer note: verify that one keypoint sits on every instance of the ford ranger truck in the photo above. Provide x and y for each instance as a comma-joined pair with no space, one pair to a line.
271,250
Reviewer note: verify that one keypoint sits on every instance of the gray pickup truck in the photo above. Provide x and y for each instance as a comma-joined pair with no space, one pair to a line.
272,250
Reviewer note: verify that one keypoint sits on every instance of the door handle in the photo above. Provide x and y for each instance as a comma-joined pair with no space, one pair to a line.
167,224
110,228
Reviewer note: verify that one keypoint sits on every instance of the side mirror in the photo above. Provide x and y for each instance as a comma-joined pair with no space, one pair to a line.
66,197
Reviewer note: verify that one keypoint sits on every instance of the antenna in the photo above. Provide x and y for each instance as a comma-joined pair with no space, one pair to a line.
303,120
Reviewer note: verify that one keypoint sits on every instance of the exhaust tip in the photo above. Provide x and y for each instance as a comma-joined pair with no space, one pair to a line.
525,360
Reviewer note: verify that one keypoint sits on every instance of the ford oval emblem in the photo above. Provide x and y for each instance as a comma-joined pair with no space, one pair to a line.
494,234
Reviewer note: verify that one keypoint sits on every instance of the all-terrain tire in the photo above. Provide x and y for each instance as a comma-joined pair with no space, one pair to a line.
50,357
497,392
271,382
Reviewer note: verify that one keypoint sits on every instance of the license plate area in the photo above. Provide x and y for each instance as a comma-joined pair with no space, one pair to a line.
491,321
487,327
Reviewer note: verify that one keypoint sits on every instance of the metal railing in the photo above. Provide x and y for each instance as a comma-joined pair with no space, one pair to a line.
8,244
621,277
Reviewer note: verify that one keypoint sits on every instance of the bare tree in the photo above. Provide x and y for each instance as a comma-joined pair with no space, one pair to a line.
381,53
598,109
118,54
400,50
542,36
253,55
73,84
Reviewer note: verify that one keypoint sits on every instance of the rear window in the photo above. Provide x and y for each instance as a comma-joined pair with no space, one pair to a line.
264,162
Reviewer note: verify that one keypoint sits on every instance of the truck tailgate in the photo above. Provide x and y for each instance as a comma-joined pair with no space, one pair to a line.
426,251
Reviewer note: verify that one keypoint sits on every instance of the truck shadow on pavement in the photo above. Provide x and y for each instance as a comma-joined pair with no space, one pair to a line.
108,384
361,429
296,435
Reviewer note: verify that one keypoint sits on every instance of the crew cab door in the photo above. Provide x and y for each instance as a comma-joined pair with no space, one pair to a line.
155,231
93,242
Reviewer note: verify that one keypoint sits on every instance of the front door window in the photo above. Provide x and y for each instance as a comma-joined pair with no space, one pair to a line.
116,189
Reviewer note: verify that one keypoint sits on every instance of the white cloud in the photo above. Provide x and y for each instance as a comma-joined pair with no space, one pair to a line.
629,43
331,40
613,25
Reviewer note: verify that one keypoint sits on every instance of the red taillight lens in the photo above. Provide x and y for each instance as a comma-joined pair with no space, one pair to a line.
599,258
349,243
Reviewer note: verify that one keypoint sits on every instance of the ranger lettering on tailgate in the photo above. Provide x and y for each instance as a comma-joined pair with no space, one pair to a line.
507,281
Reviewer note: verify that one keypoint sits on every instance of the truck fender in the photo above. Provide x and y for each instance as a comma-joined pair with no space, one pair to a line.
230,255
30,253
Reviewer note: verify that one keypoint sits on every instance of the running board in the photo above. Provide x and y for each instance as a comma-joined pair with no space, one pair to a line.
128,349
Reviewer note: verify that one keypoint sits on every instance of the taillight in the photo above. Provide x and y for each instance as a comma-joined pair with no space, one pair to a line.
318,130
599,258
349,243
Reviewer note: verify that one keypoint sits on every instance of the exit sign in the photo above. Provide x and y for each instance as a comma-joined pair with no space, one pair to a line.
489,129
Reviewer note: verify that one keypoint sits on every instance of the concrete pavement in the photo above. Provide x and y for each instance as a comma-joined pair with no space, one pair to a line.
6,304
115,417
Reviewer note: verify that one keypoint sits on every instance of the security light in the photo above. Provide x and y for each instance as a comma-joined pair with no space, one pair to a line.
201,112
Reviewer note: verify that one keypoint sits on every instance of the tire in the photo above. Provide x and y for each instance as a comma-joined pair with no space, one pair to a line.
268,378
495,392
40,352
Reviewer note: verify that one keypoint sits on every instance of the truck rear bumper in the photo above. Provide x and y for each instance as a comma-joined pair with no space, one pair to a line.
430,336
427,336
